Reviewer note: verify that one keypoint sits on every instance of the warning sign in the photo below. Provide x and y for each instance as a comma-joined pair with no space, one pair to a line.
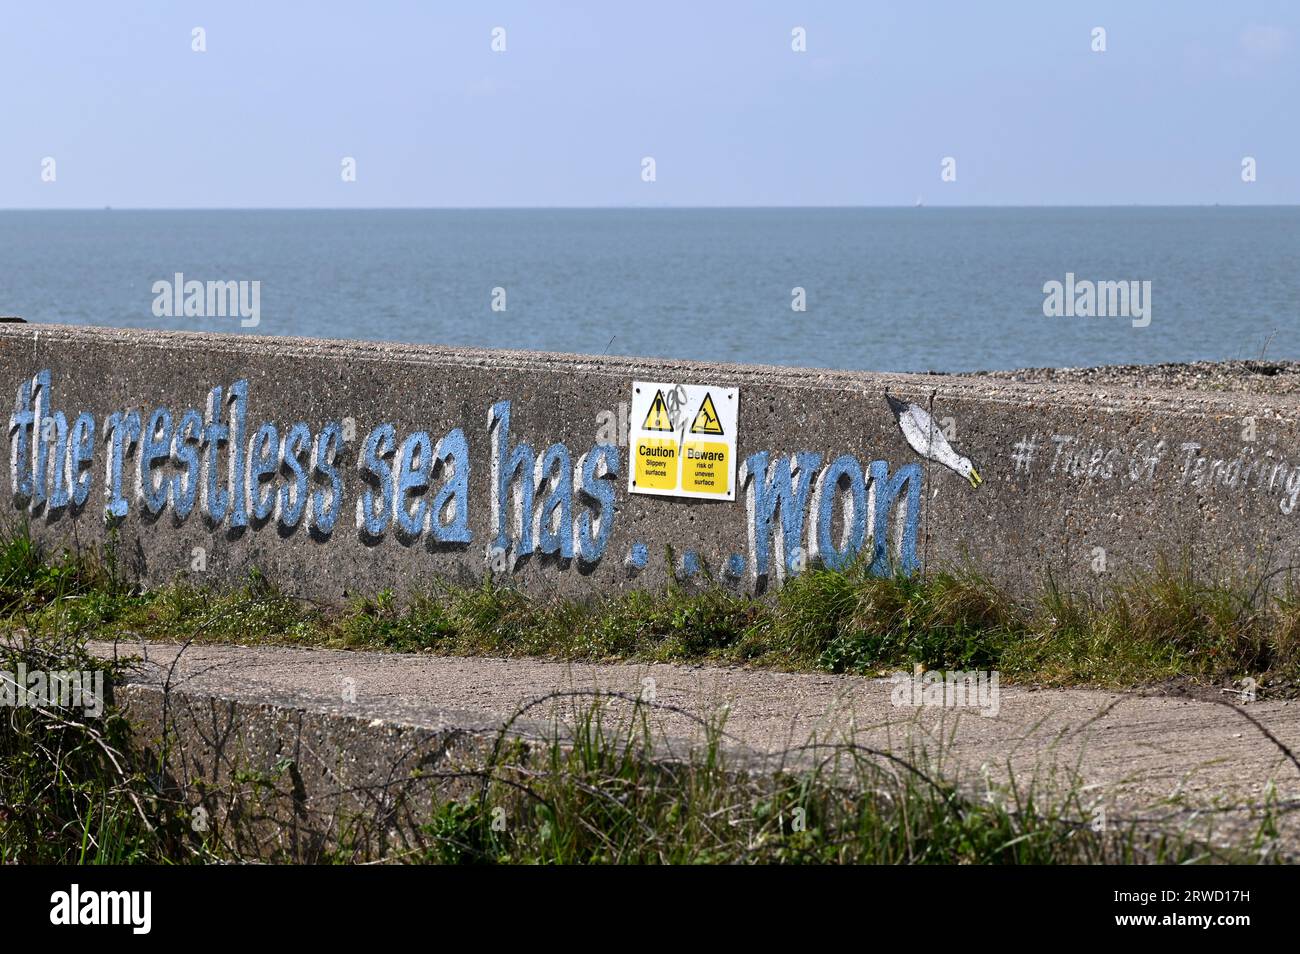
682,442
706,421
657,418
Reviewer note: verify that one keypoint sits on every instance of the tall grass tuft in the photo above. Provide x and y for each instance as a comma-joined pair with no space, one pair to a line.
599,791
69,791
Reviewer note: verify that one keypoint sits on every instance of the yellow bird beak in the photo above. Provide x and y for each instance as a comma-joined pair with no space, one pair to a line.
974,478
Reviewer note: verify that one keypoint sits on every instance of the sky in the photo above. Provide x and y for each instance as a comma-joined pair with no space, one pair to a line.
583,93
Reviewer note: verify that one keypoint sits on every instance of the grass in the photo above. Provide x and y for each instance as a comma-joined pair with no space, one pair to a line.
69,792
596,790
73,789
1167,625
605,796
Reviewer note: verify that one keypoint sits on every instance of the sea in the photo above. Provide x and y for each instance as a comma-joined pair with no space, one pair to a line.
896,289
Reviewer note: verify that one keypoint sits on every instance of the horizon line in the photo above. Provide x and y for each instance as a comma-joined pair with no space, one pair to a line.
636,208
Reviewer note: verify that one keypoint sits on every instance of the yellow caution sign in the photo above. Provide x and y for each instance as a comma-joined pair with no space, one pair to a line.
656,464
706,421
671,459
706,467
657,418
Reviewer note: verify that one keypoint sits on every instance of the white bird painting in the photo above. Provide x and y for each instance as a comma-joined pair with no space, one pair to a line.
928,440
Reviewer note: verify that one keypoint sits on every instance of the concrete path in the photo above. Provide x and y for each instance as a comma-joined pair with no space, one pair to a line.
1141,756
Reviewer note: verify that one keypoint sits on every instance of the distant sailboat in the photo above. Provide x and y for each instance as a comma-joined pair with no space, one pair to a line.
919,202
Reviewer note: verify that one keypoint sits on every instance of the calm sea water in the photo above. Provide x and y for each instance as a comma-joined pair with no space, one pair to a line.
886,289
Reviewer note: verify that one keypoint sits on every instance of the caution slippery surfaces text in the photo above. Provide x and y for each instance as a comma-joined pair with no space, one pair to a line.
682,440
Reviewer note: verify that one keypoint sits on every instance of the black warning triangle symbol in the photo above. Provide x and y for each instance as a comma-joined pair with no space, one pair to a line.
706,421
657,418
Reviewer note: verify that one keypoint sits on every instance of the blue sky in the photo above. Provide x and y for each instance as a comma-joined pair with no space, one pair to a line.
712,90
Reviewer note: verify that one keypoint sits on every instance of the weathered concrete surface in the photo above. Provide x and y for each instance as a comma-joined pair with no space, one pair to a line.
1077,479
1252,376
355,725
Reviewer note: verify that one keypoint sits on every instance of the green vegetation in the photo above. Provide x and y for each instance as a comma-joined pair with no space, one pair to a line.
1166,625
69,792
604,798
75,788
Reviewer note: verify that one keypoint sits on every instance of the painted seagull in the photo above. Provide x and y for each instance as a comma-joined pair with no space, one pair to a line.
927,439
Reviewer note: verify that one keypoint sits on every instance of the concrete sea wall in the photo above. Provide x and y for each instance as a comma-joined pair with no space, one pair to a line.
337,468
